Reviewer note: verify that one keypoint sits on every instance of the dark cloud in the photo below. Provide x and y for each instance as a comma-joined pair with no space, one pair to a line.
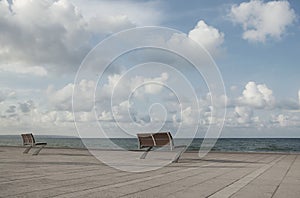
11,109
26,106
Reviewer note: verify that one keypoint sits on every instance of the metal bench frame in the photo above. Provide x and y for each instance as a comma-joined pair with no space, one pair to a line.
161,139
29,142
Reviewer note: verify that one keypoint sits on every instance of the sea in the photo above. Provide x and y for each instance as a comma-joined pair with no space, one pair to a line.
289,145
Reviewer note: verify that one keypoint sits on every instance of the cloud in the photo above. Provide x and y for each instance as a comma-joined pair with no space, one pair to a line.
105,116
132,98
61,99
288,104
86,116
11,109
57,118
42,36
140,13
26,106
299,97
285,120
121,87
116,87
17,115
243,114
109,24
257,96
207,36
258,108
17,111
21,69
6,93
122,112
39,32
153,88
263,20
282,120
188,116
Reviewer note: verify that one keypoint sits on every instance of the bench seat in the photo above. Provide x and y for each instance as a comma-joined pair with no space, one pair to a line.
160,139
29,142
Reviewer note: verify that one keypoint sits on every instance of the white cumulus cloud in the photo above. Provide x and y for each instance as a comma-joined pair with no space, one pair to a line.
262,20
207,36
257,96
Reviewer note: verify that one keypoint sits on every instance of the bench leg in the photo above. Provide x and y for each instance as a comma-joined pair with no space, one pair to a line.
143,156
38,150
179,153
27,149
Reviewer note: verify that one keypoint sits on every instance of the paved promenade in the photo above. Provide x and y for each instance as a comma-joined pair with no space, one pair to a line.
76,173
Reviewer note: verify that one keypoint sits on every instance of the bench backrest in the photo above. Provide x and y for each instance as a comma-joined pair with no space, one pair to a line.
28,139
155,139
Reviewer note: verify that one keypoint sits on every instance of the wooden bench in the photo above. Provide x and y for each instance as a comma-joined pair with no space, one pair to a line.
161,139
29,142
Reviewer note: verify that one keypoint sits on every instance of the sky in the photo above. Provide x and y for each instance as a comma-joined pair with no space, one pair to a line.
254,45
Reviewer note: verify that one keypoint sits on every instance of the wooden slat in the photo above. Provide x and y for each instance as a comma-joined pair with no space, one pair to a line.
155,139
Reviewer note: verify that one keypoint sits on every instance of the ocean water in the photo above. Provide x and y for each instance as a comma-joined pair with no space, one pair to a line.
222,144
